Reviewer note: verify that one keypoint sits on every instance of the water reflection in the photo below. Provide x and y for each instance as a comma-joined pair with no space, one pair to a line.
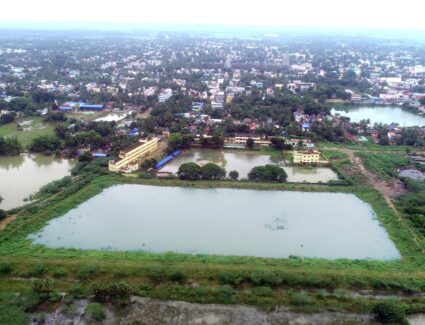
244,161
21,176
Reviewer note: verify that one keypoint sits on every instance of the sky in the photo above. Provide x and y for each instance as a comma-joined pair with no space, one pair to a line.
386,14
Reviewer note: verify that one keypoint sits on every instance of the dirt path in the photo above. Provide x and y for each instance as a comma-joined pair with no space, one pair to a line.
390,190
13,217
6,221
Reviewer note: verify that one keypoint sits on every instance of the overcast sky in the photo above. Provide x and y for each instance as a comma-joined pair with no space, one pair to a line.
405,14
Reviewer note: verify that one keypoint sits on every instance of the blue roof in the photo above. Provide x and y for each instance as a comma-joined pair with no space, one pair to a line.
92,107
176,153
163,161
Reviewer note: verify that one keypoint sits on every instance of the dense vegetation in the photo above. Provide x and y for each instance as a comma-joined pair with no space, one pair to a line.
9,146
268,173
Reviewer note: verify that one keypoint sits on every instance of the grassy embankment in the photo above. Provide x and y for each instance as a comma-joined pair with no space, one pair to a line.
220,279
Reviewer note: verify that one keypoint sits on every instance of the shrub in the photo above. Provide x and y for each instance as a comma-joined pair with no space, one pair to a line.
112,292
177,276
299,299
95,311
264,278
263,291
86,272
144,175
35,271
5,268
389,312
231,277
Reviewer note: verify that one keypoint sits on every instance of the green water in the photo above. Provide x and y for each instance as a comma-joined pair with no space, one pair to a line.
273,224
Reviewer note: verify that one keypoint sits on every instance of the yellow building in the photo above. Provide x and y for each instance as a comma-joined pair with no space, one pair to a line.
129,157
306,156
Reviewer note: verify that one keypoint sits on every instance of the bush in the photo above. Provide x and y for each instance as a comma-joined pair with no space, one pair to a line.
113,292
95,311
299,299
5,268
264,278
231,277
86,272
263,291
143,175
389,312
35,271
177,276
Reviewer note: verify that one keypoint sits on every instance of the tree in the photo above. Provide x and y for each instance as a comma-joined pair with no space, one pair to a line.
3,214
175,141
217,141
268,173
149,163
278,142
422,101
234,175
85,157
250,143
7,118
189,171
211,171
45,143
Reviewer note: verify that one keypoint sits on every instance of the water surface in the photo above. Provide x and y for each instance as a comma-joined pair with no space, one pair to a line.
381,114
244,161
21,176
273,224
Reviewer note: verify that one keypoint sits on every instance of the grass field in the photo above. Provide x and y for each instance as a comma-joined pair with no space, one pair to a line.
304,284
37,128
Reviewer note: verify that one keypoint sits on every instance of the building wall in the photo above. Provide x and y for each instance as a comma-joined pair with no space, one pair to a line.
306,157
131,157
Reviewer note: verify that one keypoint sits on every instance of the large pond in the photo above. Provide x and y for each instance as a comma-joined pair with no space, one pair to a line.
381,114
273,224
244,161
21,176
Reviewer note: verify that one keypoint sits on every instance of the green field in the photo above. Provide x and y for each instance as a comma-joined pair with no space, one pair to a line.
300,284
37,128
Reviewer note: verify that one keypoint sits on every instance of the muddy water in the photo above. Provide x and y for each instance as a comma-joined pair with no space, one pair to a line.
244,161
21,176
273,224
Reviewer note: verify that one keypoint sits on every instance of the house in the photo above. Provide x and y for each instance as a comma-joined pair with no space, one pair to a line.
309,156
306,143
242,138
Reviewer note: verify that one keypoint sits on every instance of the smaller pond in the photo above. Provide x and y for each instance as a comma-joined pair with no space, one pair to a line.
380,114
244,161
222,222
21,176
412,174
